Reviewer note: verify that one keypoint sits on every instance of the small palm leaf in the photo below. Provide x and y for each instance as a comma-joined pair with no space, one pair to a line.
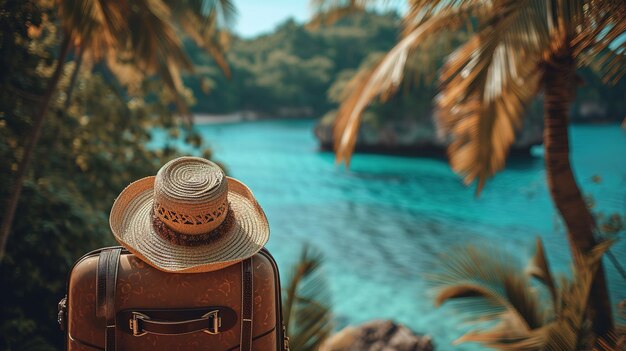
487,285
539,269
307,317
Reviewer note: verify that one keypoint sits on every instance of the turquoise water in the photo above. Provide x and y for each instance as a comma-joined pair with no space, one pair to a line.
382,223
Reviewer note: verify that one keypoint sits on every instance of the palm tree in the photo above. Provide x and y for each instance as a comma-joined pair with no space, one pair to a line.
518,48
143,34
487,284
306,315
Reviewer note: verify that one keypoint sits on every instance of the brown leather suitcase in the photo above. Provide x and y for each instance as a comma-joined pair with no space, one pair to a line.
115,301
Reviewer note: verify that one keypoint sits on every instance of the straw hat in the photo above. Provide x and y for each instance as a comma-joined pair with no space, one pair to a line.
189,218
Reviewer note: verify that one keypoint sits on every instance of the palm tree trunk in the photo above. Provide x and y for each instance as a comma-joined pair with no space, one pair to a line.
560,85
29,148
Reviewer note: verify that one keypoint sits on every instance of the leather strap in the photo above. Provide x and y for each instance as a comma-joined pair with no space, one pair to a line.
210,319
106,282
144,325
247,290
114,261
101,278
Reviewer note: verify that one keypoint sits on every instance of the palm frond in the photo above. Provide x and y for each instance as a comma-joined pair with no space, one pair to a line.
307,317
99,24
153,40
208,37
485,85
562,336
615,341
506,337
141,34
487,284
207,23
154,46
483,133
569,14
539,269
570,329
224,11
473,275
384,78
124,71
422,10
600,42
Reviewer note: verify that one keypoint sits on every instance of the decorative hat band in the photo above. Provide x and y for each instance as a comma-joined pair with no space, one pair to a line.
192,224
178,238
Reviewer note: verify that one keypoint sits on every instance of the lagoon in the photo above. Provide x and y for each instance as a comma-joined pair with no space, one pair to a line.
383,223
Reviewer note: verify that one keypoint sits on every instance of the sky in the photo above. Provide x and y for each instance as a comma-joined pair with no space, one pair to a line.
257,17
261,16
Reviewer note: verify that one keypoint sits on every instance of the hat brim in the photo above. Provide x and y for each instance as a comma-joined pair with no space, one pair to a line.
131,224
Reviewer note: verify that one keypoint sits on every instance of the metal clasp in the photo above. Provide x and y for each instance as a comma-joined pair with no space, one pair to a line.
134,323
215,324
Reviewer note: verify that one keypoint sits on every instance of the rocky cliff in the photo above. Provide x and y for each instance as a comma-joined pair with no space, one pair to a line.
378,335
414,136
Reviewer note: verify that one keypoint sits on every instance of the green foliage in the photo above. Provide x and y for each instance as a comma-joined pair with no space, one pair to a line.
306,315
289,71
296,71
87,154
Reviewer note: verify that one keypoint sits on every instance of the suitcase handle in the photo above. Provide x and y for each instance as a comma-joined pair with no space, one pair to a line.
141,324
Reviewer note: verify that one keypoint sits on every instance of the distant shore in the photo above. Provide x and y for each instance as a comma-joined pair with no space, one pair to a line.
205,118
417,149
240,116
249,115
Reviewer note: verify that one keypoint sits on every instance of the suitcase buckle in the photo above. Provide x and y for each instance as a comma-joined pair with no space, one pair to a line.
215,324
134,324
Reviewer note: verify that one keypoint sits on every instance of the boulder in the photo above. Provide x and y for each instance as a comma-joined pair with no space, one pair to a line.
378,335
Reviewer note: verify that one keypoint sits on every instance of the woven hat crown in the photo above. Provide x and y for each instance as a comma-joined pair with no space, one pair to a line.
191,195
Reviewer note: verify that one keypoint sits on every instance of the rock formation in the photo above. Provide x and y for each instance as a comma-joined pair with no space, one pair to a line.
378,335
415,136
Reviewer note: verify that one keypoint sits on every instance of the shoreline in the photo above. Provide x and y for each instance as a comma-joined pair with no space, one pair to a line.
205,118
243,116
246,116
411,150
